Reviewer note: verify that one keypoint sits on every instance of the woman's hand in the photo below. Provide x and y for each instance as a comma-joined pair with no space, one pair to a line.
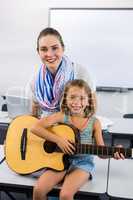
35,109
118,155
66,146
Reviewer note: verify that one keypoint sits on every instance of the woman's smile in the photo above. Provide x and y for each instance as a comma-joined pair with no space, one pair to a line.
51,60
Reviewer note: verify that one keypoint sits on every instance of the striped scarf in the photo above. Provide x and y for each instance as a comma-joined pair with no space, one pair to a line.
48,90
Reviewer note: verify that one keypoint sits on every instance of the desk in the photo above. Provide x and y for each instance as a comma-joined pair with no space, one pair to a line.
4,123
122,128
120,181
10,181
4,117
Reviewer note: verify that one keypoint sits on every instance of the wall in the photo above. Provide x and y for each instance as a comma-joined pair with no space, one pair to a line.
101,41
21,22
90,3
114,104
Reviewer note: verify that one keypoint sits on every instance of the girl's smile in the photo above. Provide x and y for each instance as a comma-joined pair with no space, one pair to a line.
77,100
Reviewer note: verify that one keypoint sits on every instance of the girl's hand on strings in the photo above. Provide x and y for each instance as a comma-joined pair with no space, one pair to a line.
66,146
118,155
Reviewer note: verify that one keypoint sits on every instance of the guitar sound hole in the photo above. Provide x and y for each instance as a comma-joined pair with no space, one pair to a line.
50,147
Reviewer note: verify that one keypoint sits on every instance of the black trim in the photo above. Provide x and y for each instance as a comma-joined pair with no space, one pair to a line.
2,160
90,8
112,89
55,192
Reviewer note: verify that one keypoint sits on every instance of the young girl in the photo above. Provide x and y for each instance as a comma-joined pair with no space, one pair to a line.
77,108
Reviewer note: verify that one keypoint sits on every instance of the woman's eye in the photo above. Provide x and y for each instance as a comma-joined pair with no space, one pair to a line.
54,48
44,49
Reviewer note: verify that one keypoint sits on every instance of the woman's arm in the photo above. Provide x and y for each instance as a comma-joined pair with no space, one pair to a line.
35,105
35,109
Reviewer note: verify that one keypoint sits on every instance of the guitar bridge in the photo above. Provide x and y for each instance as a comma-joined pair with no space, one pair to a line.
23,144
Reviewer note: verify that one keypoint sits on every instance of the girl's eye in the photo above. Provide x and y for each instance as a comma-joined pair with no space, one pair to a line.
71,97
83,98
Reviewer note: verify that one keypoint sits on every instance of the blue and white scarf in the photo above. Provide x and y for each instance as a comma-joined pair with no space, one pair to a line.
48,90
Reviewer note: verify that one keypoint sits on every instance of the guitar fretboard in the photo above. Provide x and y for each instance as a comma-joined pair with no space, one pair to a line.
102,150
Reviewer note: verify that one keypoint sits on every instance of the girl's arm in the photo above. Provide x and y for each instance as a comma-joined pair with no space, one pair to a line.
97,129
41,129
99,138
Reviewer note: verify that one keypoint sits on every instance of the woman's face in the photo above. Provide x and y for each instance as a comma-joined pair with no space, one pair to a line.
50,51
77,100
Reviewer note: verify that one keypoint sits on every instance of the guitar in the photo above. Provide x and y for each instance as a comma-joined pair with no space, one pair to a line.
26,153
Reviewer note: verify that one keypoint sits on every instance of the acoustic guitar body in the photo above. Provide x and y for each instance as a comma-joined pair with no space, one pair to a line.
26,153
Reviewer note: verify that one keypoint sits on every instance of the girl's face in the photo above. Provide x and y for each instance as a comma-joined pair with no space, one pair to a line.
50,51
77,100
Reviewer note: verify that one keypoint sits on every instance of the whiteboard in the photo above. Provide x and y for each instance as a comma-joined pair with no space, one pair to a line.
99,39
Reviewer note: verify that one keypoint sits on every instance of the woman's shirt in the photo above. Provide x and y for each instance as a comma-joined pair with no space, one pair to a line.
80,72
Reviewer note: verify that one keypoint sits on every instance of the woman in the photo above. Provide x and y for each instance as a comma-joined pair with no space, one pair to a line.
56,70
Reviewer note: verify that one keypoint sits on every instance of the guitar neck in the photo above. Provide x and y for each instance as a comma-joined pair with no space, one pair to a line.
103,150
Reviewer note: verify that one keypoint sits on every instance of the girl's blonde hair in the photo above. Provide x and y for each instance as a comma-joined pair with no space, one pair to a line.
90,109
